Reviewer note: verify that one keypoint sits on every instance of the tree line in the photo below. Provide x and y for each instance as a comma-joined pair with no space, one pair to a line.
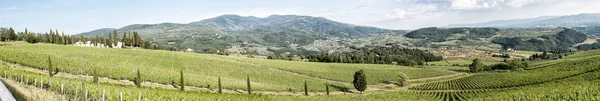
435,34
378,55
562,41
515,64
132,39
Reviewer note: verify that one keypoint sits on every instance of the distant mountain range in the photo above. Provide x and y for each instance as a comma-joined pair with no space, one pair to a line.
579,20
251,34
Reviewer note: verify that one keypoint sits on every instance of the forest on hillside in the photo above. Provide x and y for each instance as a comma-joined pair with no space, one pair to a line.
379,55
435,34
561,41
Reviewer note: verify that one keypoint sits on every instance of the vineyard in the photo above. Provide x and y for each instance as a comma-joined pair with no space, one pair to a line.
576,77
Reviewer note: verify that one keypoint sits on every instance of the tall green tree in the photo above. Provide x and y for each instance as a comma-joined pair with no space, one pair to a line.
305,89
248,84
95,73
360,81
116,36
12,36
476,66
219,84
138,79
182,82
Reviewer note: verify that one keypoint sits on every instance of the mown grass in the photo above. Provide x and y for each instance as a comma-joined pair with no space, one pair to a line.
200,69
75,89
156,66
343,72
459,62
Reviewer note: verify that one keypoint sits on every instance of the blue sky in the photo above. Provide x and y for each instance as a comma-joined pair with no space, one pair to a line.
76,16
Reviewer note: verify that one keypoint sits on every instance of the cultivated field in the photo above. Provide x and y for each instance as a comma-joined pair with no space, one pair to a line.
574,77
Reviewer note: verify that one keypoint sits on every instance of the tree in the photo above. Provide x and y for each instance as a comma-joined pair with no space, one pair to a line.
182,82
95,73
360,81
12,36
50,67
305,89
219,84
476,66
248,84
116,36
327,89
403,81
31,38
138,79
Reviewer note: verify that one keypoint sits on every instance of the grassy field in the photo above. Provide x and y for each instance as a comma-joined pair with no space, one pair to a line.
574,77
556,71
337,71
200,69
459,62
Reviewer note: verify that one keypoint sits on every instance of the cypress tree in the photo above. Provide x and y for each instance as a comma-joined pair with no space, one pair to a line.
305,89
182,82
50,67
360,81
138,79
95,79
327,89
116,36
248,84
12,35
219,81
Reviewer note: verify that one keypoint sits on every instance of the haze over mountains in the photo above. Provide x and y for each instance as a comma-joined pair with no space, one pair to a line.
223,32
579,20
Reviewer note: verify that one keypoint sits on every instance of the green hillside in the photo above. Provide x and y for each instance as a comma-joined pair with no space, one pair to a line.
575,77
202,69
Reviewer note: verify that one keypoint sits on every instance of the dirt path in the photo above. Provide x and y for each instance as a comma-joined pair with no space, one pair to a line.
32,93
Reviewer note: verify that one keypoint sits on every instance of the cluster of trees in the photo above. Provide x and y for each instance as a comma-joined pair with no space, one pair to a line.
132,39
516,64
501,55
595,45
562,41
555,55
8,34
379,55
435,34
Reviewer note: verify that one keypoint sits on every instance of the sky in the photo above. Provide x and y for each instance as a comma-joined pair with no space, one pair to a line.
77,16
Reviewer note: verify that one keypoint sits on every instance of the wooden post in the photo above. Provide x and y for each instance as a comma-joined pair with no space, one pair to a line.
35,83
140,96
41,83
103,95
86,94
62,88
120,96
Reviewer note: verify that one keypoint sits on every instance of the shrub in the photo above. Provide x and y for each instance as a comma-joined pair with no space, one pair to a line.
360,81
403,80
476,66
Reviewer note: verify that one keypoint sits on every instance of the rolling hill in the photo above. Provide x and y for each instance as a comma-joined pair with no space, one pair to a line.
248,34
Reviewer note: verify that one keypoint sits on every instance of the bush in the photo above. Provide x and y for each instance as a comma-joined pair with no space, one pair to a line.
403,81
476,66
32,38
360,81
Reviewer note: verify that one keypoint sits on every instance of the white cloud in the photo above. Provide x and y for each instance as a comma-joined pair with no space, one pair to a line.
397,14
